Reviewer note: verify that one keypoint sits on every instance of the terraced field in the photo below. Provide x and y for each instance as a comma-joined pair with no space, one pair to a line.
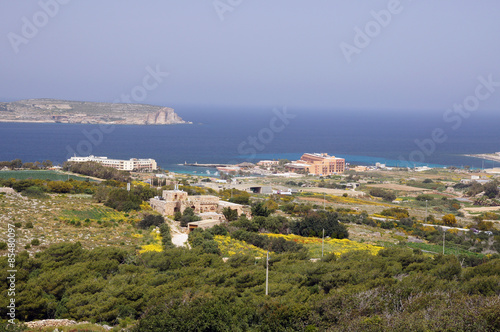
62,218
102,213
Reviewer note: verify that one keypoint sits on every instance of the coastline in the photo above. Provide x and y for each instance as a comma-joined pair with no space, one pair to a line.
485,156
27,121
95,123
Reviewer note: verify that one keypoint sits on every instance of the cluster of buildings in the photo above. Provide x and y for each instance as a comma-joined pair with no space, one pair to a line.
318,164
133,164
208,208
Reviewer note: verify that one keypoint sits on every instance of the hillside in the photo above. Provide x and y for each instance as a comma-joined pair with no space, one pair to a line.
94,252
63,111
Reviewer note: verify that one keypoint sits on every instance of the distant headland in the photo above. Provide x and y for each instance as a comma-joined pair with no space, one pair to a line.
64,111
488,156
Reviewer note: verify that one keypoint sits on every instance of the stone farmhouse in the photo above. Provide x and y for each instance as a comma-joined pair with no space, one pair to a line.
176,200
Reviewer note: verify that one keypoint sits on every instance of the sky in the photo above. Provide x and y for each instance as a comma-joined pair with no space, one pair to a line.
404,56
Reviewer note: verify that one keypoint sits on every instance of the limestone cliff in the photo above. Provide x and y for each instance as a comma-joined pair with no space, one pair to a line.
164,116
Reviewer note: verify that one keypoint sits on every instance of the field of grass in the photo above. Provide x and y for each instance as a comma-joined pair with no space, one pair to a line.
42,175
102,213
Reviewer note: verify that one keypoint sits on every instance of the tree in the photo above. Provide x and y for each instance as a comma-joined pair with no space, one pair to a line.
474,189
491,189
188,216
29,165
122,200
16,163
273,224
449,220
177,216
315,223
386,195
230,214
166,236
5,164
259,209
244,223
101,194
271,205
424,197
151,220
95,169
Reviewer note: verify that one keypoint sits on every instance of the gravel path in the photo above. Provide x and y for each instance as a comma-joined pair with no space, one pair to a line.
179,238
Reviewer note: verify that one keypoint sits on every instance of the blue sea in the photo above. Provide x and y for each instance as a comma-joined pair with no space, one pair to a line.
238,135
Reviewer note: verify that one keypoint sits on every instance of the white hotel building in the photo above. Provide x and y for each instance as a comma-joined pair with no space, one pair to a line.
122,165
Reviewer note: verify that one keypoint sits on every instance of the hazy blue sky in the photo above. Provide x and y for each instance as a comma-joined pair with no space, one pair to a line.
427,55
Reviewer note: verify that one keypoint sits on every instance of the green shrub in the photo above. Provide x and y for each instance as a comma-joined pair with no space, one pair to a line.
386,195
34,192
424,197
398,213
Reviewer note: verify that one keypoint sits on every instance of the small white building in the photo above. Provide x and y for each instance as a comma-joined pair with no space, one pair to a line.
268,163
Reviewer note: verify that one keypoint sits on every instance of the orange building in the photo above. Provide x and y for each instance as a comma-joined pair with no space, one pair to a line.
322,164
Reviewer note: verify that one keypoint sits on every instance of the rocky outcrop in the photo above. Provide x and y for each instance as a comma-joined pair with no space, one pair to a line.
163,117
63,111
39,324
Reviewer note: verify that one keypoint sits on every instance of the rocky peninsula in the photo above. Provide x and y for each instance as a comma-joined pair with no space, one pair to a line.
63,111
487,156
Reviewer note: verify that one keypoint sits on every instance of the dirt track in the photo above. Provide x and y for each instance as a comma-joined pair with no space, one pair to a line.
483,209
400,187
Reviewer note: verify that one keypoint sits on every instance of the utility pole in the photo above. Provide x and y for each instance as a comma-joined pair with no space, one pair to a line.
267,274
426,211
444,232
323,243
